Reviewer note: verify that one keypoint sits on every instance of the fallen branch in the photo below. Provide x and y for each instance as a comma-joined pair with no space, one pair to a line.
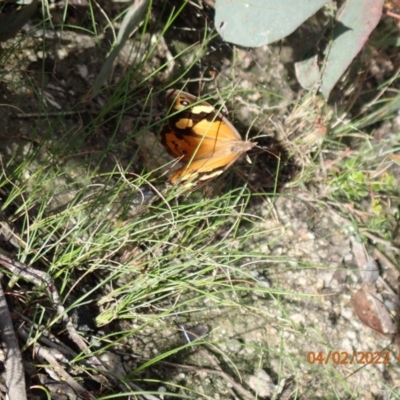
15,379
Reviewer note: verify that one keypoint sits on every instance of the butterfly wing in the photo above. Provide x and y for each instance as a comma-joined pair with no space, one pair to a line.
204,169
187,111
201,137
203,140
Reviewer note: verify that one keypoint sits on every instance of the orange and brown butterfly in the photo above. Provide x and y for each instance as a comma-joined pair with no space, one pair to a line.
201,138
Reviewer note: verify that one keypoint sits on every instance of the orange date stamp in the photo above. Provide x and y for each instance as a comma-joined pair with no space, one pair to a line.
345,357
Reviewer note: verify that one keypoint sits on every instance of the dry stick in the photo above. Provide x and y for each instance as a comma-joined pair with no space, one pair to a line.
41,278
51,114
63,351
245,393
218,371
15,379
47,337
44,354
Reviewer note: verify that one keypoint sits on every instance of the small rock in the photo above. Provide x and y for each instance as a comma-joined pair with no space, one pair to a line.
261,383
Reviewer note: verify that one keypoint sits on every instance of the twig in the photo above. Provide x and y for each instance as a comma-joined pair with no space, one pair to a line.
15,379
47,338
41,278
56,114
44,354
239,388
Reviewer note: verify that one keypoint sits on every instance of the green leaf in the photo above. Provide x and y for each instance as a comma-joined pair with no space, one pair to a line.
253,23
356,20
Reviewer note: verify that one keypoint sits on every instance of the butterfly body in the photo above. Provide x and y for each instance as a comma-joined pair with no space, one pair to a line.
201,138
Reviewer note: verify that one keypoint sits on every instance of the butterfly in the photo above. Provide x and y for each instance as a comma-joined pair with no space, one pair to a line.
201,138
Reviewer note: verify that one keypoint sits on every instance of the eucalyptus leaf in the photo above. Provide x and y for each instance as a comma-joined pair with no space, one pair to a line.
355,22
254,23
